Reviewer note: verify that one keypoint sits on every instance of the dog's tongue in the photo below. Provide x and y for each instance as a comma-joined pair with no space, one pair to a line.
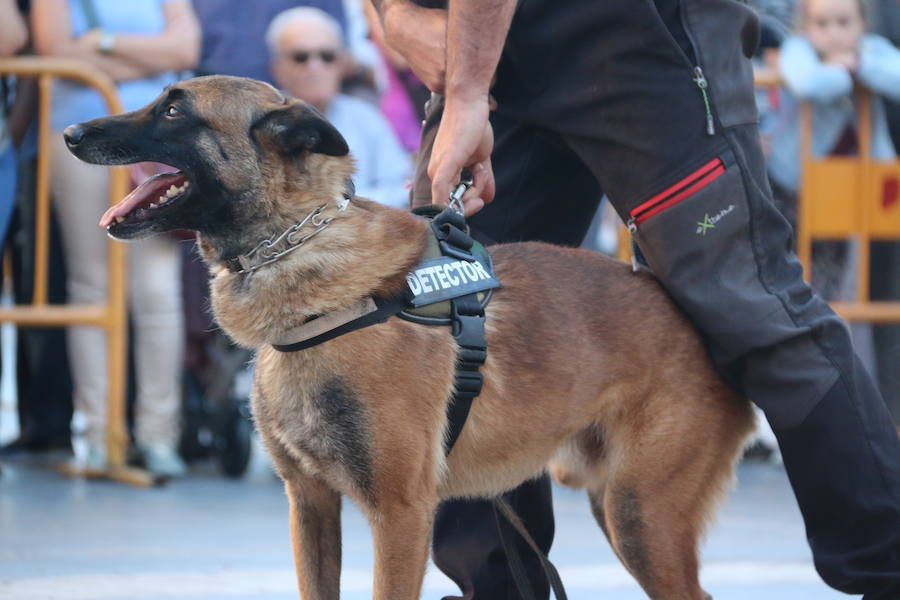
143,196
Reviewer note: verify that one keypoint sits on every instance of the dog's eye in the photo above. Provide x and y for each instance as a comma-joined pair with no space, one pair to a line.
172,111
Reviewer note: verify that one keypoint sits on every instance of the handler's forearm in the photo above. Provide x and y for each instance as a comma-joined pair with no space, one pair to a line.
476,32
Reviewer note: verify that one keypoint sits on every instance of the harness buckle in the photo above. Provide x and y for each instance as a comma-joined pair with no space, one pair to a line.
469,331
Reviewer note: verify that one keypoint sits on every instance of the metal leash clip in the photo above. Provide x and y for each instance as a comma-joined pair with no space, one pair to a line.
465,182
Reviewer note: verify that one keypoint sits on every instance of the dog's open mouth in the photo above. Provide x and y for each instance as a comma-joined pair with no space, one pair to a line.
151,200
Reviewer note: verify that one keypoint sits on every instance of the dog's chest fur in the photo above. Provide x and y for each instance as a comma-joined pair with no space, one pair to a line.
316,418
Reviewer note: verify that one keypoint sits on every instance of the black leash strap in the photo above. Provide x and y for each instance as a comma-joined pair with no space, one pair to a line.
515,560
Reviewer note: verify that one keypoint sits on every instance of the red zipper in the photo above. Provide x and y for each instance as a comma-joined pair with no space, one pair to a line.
677,192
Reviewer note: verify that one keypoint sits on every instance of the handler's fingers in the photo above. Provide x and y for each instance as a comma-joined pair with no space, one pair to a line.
472,202
484,179
472,205
482,190
443,180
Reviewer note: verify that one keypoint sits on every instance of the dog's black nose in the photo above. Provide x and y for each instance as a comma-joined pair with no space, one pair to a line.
73,135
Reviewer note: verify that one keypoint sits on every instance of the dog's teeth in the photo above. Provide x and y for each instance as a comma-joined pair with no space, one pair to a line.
119,219
153,205
164,199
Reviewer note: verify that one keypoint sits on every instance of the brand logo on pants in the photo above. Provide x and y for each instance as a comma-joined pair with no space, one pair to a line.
710,222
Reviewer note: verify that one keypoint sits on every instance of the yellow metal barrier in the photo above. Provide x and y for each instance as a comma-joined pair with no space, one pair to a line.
840,198
110,315
850,197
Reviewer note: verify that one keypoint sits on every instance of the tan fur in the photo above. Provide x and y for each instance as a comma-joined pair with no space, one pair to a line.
591,371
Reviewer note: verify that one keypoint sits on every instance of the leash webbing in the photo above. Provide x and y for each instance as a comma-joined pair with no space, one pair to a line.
513,557
520,577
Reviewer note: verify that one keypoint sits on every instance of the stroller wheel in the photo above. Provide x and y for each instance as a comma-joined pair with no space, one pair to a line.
233,443
191,445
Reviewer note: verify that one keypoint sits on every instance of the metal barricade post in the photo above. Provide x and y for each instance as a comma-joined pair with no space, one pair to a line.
849,198
109,315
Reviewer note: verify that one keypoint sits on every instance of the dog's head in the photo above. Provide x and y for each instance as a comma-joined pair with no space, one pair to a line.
243,154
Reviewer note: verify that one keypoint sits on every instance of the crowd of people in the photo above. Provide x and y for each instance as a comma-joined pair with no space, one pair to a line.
321,52
357,67
333,54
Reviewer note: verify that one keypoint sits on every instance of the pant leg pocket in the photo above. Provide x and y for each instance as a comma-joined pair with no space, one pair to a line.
725,34
695,235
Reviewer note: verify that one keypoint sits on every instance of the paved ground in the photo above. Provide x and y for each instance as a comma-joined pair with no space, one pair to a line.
206,538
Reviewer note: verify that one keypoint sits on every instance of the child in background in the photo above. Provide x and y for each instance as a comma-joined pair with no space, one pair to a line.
830,52
821,63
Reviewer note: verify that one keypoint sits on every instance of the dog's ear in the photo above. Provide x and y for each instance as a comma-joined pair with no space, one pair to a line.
298,127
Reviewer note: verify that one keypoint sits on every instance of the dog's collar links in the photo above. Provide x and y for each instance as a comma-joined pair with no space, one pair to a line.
270,251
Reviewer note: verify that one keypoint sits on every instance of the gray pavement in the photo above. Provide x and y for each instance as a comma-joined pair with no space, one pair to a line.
205,538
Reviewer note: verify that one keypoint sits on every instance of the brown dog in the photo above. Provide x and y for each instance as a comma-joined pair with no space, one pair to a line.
608,384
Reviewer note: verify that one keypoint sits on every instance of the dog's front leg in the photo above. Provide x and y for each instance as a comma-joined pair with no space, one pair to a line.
402,536
315,516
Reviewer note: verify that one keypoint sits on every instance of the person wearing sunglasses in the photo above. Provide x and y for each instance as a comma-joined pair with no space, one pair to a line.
308,62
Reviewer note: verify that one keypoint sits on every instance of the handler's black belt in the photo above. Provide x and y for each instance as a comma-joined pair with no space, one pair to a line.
451,286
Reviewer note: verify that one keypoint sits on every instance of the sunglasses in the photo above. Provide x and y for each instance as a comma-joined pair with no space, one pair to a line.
302,57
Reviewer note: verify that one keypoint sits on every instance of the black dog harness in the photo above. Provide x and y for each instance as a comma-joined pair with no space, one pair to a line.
451,286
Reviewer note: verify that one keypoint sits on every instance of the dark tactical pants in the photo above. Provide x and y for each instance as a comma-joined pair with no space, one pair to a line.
603,96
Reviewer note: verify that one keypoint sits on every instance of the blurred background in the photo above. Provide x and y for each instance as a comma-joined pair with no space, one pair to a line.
218,527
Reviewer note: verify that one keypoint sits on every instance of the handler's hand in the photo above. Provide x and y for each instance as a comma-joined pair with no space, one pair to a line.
464,139
419,35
